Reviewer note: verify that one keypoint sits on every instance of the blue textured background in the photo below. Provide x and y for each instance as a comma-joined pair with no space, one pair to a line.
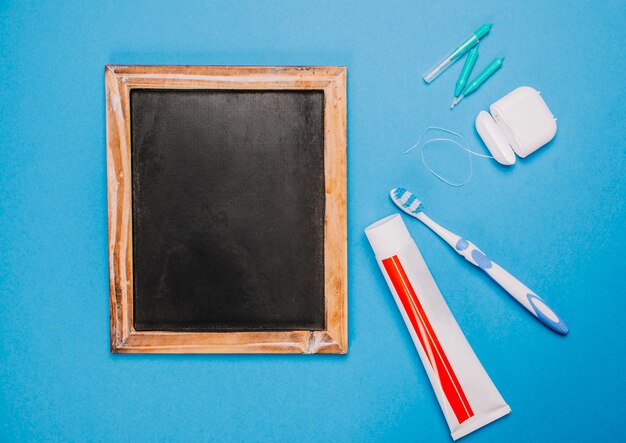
555,220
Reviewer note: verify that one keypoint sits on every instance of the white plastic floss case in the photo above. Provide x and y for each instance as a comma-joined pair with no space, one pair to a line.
519,123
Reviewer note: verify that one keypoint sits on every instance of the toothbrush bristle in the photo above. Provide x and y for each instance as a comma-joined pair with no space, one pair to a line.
406,201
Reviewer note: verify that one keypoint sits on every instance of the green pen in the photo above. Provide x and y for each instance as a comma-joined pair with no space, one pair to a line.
479,80
461,50
470,61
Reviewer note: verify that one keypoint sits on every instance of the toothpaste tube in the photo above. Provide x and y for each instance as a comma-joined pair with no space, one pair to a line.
465,392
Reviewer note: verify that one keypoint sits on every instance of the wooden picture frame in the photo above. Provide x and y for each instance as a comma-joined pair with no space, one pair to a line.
119,81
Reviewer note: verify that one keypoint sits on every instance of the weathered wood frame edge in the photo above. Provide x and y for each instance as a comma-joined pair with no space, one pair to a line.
119,80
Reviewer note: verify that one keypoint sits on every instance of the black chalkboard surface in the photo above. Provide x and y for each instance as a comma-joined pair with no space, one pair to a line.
227,209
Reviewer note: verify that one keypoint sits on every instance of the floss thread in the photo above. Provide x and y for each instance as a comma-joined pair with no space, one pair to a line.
464,146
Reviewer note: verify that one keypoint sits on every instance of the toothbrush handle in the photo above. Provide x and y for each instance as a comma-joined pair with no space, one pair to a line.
520,292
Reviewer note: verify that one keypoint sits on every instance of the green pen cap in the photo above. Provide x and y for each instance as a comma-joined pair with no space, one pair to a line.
470,61
481,78
484,75
482,31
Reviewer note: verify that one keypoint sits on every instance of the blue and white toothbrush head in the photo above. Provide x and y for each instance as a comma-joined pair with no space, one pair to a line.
406,201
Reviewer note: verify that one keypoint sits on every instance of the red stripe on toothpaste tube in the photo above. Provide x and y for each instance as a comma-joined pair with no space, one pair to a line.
466,394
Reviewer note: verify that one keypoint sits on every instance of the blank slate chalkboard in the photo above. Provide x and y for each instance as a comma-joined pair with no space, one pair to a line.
228,209
235,209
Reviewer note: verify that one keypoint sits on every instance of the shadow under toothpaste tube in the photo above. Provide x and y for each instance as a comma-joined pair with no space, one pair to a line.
466,394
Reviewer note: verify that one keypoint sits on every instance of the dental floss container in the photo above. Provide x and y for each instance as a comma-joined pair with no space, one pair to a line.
519,123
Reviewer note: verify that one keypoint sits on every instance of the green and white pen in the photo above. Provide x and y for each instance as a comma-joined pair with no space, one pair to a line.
479,80
461,50
470,61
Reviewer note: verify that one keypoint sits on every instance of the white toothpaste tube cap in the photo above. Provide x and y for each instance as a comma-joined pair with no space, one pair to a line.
388,235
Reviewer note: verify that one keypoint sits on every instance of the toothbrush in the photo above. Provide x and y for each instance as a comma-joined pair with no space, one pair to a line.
409,204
